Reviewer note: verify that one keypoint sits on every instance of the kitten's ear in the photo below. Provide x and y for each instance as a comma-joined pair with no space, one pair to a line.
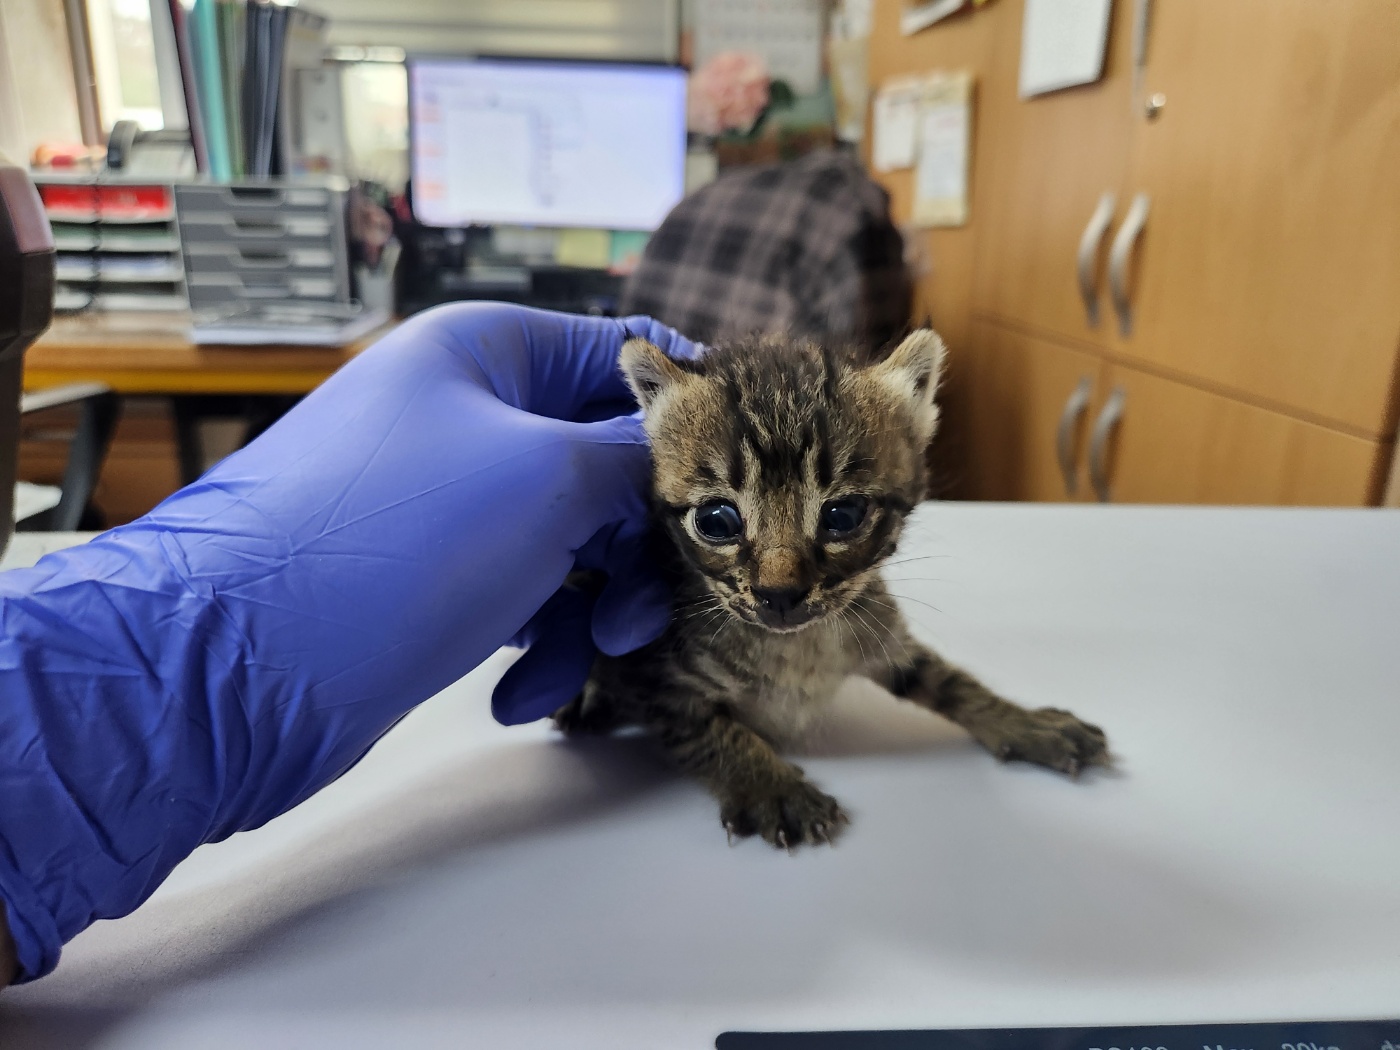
912,371
648,371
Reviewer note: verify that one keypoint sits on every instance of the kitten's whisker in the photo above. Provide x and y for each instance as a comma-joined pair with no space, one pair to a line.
911,560
704,610
878,639
709,618
902,612
704,615
865,622
868,597
848,622
722,622
877,635
919,601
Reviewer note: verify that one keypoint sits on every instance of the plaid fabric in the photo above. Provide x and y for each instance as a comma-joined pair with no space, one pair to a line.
804,247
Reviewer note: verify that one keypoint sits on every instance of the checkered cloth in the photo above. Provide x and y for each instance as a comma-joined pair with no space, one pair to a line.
804,247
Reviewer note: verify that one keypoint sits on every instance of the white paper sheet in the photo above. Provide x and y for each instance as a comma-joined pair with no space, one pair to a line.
896,120
851,19
917,16
940,177
786,33
1062,44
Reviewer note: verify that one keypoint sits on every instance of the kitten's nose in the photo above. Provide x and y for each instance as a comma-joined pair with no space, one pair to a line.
781,600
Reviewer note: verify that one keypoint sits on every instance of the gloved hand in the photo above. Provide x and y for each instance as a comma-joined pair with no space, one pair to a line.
211,665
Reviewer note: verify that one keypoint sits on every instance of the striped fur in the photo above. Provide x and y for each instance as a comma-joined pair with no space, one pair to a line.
780,429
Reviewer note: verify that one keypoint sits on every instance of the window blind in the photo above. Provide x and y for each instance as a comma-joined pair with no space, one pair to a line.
600,29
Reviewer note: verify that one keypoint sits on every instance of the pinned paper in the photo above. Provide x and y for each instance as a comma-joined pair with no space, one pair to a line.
896,119
925,123
923,13
944,138
1062,44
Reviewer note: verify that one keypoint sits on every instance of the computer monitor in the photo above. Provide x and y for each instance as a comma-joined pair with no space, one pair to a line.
545,143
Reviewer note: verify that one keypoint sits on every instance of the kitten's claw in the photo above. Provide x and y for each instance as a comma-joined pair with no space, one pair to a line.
1052,738
729,832
787,815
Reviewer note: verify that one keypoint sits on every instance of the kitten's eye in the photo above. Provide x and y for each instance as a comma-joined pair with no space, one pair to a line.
844,515
718,521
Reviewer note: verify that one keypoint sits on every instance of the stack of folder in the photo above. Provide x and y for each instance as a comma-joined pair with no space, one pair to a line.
236,60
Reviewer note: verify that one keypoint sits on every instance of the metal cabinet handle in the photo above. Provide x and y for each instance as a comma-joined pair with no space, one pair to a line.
1108,419
1118,258
1075,405
1089,242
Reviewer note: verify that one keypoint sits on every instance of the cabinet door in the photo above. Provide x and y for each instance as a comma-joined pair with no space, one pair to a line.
1004,403
1270,262
1178,444
1043,166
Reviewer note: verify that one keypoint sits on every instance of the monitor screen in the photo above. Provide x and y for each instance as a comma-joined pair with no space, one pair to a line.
519,142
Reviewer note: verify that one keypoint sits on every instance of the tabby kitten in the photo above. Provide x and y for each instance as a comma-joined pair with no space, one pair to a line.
783,474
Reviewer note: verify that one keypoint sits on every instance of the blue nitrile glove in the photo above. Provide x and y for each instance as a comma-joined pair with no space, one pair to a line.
209,666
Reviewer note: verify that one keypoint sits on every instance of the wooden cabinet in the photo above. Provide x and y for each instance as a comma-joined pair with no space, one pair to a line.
1257,144
1036,419
1175,443
1044,168
1021,415
1270,260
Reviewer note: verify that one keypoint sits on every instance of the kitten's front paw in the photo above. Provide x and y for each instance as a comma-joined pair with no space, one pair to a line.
1052,738
786,814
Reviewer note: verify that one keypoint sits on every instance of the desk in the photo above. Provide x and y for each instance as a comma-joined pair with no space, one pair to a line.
140,353
471,885
153,354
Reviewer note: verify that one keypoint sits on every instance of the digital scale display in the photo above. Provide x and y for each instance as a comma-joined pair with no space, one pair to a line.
1301,1035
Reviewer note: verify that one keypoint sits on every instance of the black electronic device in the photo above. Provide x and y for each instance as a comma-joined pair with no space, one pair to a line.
1273,1035
26,308
166,153
449,264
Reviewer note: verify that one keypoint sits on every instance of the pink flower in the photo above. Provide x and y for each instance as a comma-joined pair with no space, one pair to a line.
727,92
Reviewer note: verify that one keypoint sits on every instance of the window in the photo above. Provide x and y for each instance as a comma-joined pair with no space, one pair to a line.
124,62
377,139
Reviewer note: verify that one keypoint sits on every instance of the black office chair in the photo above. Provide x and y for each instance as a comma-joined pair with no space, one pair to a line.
98,410
26,308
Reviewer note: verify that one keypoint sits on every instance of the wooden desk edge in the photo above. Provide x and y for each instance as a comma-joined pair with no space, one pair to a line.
162,364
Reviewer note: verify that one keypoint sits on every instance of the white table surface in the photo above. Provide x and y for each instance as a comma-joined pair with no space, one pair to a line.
28,547
470,885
